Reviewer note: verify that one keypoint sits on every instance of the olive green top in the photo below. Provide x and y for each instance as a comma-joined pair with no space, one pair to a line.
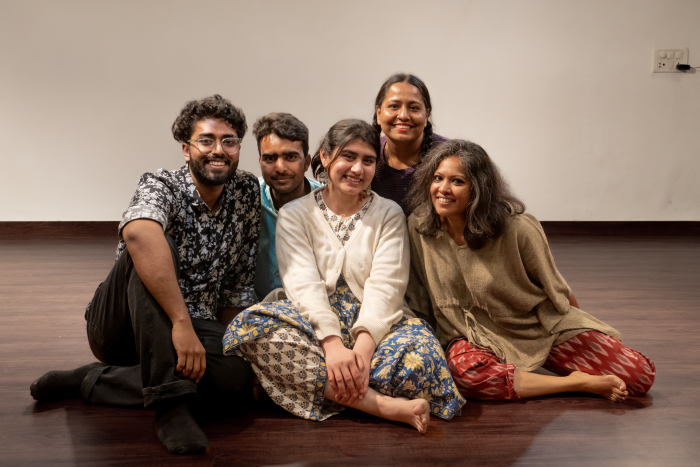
507,297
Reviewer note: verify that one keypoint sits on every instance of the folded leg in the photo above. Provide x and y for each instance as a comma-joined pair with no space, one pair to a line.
129,331
598,354
292,371
479,374
409,362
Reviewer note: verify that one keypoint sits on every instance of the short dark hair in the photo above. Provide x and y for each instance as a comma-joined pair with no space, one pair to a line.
340,135
427,142
210,107
282,125
491,201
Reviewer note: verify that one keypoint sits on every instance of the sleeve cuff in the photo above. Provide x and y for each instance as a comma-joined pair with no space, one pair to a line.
376,327
142,212
326,328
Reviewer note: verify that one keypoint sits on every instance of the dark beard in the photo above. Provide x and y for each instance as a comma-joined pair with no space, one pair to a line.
199,172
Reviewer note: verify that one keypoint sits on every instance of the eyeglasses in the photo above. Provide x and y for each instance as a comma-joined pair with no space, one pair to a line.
207,145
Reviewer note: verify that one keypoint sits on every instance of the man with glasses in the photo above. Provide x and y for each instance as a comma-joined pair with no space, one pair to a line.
283,145
185,267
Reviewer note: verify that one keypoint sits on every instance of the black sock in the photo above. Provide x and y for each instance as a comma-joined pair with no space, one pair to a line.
178,430
61,384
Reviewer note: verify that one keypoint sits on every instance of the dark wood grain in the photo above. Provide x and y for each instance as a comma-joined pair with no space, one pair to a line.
24,230
648,288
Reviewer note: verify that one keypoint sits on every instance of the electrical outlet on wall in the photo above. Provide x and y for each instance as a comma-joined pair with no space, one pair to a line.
665,60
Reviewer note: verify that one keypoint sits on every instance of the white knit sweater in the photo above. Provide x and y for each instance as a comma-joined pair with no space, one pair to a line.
374,262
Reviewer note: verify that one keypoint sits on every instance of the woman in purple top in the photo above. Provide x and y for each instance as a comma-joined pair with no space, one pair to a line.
402,114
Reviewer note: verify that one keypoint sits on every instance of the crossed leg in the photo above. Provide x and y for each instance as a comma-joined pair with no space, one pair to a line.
591,362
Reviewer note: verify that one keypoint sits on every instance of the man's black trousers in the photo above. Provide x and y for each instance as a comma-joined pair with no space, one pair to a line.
129,331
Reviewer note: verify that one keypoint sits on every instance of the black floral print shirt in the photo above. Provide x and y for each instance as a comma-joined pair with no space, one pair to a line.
217,249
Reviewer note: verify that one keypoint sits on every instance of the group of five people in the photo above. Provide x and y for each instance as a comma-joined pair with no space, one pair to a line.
320,291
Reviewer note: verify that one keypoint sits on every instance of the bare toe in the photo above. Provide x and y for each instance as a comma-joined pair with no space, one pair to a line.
421,415
623,386
609,386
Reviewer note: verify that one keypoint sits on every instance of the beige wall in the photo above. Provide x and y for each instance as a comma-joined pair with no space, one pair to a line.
560,93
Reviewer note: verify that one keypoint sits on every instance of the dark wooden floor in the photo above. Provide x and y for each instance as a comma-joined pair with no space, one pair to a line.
648,288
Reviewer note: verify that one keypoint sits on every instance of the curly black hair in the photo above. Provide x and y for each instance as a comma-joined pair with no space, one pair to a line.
427,142
210,107
282,125
490,199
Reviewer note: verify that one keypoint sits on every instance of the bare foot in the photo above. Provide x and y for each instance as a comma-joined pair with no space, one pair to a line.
415,412
609,386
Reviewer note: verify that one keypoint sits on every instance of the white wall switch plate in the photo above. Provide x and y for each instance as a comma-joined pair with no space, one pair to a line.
665,60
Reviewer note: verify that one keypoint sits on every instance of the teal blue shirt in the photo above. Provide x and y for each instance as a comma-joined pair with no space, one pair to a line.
267,274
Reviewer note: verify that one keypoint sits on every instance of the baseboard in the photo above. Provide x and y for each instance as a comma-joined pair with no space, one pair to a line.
18,230
622,228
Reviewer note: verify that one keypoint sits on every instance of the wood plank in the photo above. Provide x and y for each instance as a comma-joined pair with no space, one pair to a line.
646,287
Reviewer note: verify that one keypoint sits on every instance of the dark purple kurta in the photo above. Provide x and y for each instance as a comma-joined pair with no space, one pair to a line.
393,183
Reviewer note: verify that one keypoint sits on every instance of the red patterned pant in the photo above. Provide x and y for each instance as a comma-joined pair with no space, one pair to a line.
480,375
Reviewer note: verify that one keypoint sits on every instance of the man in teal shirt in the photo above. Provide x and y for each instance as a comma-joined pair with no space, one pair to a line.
283,146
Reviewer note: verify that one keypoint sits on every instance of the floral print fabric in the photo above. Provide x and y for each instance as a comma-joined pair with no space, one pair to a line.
217,248
342,228
285,355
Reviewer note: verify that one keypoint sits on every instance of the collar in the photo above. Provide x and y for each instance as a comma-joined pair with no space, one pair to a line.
191,188
196,198
381,160
267,201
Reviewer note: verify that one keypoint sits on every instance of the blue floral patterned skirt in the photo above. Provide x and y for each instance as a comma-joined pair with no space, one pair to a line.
285,355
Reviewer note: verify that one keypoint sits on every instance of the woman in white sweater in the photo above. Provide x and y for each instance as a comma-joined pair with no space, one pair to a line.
344,336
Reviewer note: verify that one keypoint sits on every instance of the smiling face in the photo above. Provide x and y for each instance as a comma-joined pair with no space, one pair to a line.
283,164
216,167
450,190
352,170
403,114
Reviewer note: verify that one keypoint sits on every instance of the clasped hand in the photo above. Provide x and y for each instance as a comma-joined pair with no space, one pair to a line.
348,369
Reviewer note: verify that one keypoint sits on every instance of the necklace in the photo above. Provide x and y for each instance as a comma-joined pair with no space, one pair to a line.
391,159
354,208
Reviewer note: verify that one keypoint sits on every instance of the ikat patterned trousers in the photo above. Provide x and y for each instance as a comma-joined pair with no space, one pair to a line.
479,374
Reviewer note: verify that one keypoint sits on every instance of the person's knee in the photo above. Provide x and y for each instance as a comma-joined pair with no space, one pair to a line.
471,369
468,362
96,341
636,370
231,374
171,244
641,378
174,254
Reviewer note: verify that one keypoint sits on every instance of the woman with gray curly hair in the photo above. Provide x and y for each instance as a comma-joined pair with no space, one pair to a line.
481,267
